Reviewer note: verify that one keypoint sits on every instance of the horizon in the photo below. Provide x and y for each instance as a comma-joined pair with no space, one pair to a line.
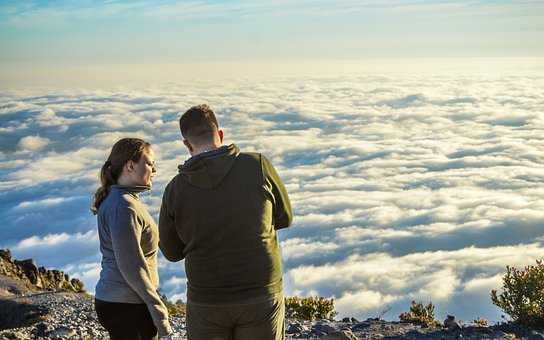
408,133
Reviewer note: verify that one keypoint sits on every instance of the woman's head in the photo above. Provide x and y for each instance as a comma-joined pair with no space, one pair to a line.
131,162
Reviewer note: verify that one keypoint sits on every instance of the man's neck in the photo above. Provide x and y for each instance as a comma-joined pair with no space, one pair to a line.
205,148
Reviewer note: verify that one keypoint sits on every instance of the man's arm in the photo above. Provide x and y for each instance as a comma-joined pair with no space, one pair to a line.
169,242
283,213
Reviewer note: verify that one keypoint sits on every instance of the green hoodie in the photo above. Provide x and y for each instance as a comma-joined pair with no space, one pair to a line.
220,214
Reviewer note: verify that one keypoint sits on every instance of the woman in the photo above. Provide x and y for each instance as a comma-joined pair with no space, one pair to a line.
126,298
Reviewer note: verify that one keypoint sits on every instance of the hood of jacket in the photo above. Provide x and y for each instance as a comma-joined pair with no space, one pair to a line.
208,169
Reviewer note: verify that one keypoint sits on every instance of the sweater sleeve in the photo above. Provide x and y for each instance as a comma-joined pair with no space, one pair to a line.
125,236
169,241
283,213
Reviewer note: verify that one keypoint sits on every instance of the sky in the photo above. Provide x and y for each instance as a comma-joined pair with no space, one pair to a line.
121,32
408,133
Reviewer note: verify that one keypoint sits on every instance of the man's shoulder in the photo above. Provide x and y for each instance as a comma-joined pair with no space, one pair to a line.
250,156
176,180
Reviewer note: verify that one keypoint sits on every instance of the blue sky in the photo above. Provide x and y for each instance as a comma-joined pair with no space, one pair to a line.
118,32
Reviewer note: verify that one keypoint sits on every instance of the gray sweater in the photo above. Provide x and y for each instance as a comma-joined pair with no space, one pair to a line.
129,241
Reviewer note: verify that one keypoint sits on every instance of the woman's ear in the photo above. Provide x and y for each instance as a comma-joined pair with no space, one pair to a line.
129,166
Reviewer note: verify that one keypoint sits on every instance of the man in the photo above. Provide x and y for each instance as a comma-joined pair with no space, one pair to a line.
220,214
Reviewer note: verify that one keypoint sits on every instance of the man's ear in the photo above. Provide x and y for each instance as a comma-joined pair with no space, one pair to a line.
188,145
220,133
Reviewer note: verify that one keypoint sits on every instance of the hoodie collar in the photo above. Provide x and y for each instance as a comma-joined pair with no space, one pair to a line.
211,153
208,169
131,189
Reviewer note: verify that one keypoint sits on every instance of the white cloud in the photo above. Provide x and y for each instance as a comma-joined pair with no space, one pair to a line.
32,143
427,276
296,248
403,187
45,203
53,240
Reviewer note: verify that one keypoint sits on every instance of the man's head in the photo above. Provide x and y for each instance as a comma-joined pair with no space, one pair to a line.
200,129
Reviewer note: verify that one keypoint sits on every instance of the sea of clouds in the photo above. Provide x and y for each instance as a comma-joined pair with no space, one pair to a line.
403,187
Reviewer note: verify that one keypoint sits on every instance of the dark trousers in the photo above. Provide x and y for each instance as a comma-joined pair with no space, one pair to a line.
126,321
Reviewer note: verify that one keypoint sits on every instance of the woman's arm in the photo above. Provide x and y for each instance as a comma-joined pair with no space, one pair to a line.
126,232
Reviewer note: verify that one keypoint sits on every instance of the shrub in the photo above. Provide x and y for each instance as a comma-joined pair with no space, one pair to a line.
309,308
480,322
174,308
420,315
522,295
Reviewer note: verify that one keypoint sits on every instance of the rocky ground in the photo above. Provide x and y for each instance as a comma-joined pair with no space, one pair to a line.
37,303
69,315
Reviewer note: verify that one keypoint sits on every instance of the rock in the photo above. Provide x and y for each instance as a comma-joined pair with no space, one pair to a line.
62,333
13,336
323,327
451,324
30,270
340,335
534,335
360,326
42,329
33,277
346,320
5,254
294,328
353,320
78,285
317,333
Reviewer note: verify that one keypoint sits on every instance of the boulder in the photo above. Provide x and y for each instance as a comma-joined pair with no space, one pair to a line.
5,255
451,324
340,335
77,285
30,270
294,328
323,328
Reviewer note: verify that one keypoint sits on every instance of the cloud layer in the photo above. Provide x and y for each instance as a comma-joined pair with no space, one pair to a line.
403,187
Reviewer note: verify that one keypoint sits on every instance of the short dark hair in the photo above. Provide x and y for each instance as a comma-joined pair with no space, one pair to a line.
198,124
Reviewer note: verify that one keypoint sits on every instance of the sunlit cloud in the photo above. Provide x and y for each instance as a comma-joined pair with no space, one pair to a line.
404,187
32,143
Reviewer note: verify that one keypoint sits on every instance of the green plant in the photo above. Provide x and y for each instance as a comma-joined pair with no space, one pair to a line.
481,322
177,308
420,315
522,294
309,308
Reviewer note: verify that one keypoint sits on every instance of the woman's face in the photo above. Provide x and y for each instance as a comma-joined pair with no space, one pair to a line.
144,169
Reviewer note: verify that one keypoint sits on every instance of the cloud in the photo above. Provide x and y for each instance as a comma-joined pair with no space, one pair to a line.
403,187
32,143
57,250
367,284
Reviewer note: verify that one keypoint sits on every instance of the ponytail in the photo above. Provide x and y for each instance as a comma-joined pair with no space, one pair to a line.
123,151
106,179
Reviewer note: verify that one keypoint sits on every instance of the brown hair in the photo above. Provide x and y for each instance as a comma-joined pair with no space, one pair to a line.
198,124
124,150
